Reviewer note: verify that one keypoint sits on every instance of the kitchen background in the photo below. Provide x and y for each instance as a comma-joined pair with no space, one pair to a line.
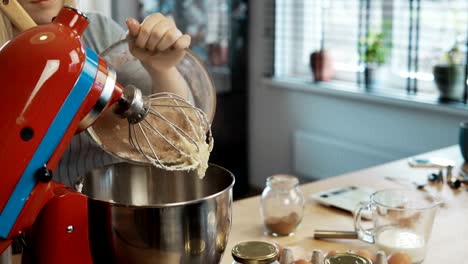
393,85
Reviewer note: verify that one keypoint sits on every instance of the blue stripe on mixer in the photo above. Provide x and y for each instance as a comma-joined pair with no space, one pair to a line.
49,143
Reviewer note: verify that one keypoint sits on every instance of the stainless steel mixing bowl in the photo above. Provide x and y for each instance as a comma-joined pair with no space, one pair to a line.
141,214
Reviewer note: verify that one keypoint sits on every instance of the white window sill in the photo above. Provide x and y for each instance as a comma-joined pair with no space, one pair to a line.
345,91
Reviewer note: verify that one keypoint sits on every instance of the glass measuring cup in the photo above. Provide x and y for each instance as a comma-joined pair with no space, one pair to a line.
402,221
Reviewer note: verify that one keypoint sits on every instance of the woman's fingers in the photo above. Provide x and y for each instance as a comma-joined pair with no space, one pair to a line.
158,32
183,42
133,27
157,42
146,29
169,39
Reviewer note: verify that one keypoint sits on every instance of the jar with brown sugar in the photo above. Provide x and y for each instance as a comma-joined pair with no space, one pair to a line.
282,205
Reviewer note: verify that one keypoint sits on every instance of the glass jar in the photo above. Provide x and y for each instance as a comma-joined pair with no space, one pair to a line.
255,252
282,205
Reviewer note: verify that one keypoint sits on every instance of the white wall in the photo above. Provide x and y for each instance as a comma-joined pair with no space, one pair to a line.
308,132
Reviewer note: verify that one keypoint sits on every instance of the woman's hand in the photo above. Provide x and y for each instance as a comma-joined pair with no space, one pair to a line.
159,45
157,42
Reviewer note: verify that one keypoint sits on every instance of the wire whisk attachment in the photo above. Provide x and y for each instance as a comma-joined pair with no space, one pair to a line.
163,129
174,135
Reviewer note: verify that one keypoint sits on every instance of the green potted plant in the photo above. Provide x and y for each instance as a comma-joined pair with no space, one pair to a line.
374,55
448,73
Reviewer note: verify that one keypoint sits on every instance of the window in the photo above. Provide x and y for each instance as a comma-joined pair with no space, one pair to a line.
418,31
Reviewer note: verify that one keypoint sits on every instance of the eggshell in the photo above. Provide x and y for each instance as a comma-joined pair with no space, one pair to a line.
367,254
399,258
279,247
332,253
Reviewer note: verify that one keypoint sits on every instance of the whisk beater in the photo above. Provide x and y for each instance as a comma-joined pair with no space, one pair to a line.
182,130
164,129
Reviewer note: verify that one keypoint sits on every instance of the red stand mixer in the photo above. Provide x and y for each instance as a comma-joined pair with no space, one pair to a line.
61,89
52,88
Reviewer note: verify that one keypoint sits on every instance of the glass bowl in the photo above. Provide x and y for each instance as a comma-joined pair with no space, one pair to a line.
110,131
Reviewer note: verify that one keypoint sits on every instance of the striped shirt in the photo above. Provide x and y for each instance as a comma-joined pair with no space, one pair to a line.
83,154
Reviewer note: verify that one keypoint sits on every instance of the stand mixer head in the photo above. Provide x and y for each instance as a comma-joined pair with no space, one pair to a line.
53,88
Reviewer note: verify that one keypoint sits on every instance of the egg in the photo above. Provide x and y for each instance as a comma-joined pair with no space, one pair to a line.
399,258
301,261
366,254
332,253
279,247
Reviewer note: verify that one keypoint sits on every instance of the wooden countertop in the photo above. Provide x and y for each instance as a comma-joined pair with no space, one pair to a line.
449,235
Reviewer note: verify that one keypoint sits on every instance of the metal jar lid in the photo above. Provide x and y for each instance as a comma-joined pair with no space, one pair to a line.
347,258
255,252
